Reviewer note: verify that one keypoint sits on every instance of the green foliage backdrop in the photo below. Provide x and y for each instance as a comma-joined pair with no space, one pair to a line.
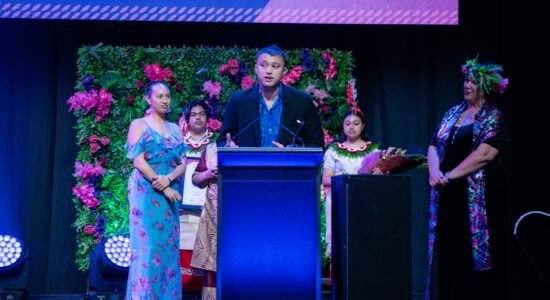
109,92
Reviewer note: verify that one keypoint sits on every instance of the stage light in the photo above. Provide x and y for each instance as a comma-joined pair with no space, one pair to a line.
109,265
14,270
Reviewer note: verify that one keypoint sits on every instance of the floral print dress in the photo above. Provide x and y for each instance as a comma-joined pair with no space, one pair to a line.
154,225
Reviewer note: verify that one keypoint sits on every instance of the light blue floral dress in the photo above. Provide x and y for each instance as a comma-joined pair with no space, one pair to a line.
154,225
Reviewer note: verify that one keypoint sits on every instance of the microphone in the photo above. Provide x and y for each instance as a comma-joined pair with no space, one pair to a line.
245,128
298,131
294,135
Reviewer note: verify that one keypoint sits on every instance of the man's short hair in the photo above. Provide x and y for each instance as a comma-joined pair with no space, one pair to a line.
272,50
196,102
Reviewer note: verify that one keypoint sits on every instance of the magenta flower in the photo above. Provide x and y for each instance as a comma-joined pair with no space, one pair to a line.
179,87
155,72
105,140
213,124
223,68
87,170
131,100
502,85
328,138
93,138
292,76
233,66
139,84
330,68
103,104
87,101
212,88
247,82
94,147
89,229
86,194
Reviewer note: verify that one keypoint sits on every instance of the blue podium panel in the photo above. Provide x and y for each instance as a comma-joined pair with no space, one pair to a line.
268,224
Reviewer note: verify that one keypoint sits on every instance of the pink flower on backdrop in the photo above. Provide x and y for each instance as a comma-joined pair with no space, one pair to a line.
212,88
86,194
139,84
328,138
155,72
94,147
87,170
89,229
233,66
179,87
292,76
131,100
213,124
310,88
105,140
223,68
85,100
330,68
103,104
102,160
247,82
93,138
318,94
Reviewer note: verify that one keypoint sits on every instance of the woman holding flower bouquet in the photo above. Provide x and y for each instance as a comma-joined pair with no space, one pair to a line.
344,158
157,150
462,158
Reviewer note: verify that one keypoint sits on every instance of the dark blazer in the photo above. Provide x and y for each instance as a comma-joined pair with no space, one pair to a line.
243,109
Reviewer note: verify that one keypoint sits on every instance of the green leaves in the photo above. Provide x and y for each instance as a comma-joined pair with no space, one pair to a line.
120,71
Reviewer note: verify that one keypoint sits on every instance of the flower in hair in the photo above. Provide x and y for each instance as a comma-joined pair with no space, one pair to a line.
486,75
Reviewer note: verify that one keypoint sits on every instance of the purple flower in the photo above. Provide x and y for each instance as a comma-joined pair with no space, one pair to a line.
99,225
88,82
307,64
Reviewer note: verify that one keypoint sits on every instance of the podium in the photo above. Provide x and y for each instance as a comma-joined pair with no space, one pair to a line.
268,223
371,237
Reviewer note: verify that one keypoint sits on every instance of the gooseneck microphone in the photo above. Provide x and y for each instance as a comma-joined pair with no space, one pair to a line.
245,128
298,132
294,136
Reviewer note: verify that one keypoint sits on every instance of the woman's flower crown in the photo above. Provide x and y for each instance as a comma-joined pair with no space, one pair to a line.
487,76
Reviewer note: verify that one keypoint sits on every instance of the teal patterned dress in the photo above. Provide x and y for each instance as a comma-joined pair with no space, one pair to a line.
154,225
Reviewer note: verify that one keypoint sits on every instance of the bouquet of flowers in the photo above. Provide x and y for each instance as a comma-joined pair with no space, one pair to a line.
390,161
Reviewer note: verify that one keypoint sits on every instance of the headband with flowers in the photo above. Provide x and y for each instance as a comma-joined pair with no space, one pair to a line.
487,76
351,93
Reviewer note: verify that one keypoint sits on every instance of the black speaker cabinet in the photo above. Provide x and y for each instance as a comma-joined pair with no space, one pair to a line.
371,236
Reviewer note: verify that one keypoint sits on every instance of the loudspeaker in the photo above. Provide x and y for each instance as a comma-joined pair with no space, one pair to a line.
371,236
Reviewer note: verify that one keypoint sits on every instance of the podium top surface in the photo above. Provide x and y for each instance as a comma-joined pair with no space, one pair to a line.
270,150
269,157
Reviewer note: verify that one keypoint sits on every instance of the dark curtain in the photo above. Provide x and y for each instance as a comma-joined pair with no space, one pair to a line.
407,77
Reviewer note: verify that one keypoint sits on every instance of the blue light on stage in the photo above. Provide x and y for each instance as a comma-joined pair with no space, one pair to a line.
109,265
117,249
11,256
14,269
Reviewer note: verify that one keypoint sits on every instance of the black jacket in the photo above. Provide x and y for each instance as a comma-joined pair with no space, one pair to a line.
244,109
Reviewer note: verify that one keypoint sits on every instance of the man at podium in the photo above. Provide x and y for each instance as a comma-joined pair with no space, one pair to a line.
271,114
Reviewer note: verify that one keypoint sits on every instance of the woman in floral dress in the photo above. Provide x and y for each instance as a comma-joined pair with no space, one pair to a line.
156,148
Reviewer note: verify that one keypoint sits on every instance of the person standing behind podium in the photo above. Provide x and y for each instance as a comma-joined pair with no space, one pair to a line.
271,114
344,157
